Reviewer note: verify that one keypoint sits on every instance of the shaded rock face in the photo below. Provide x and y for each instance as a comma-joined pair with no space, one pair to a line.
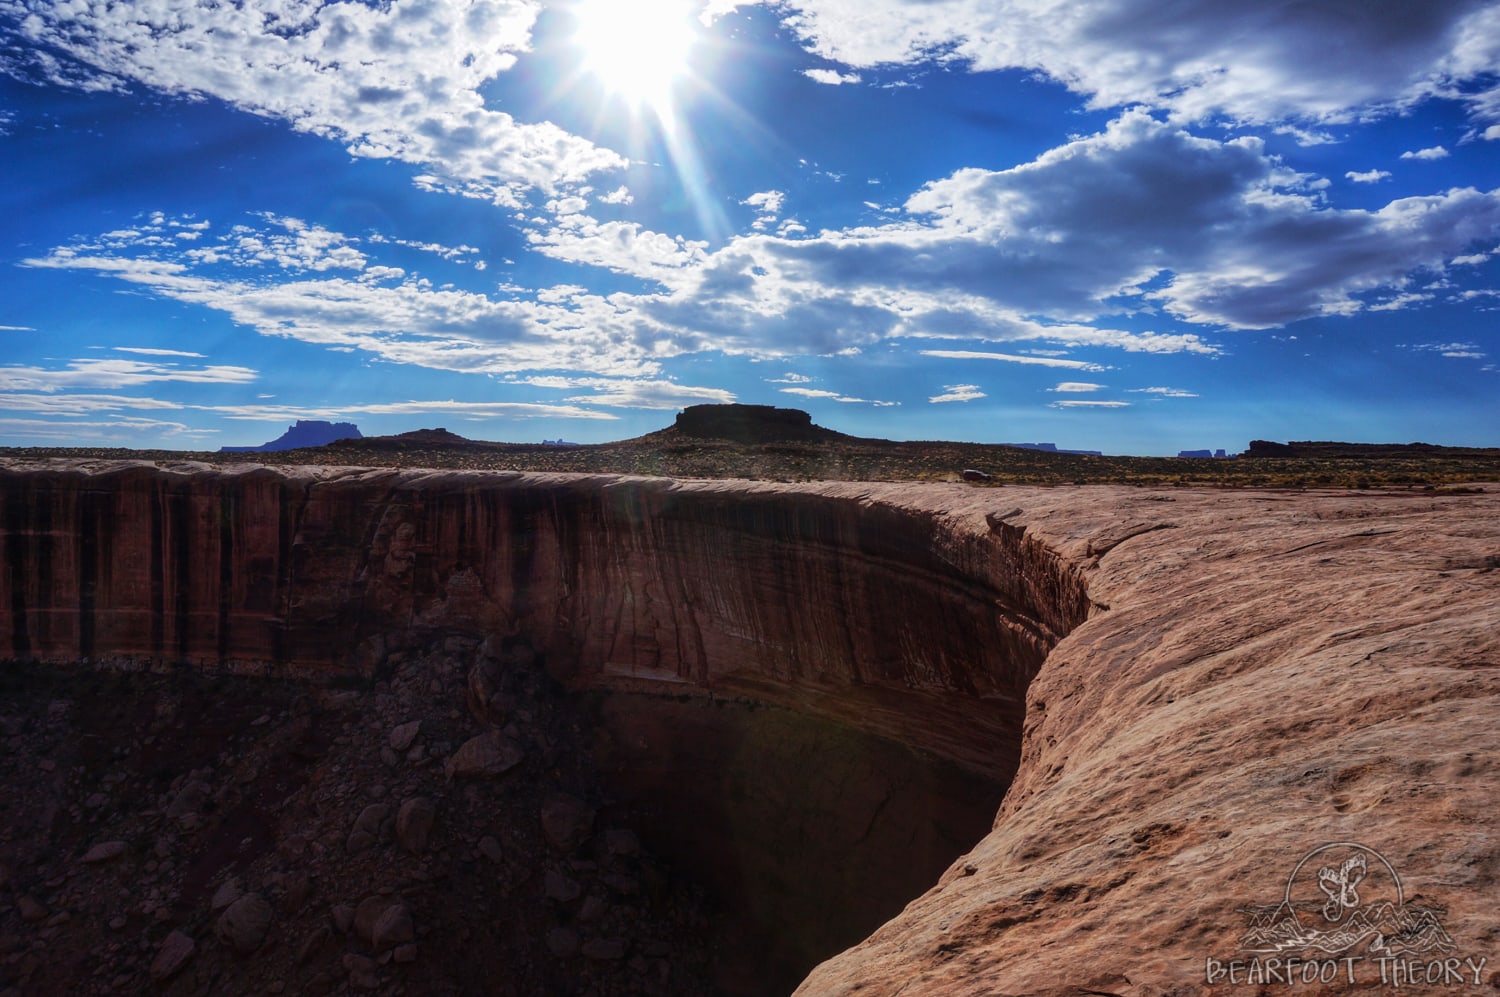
749,424
638,585
756,706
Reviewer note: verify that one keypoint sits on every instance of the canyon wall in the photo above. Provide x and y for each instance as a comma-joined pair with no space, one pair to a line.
891,617
1252,727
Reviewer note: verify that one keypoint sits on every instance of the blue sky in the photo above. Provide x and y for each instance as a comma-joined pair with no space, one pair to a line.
1127,225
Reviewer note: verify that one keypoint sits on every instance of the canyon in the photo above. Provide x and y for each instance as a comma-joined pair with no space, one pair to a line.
893,737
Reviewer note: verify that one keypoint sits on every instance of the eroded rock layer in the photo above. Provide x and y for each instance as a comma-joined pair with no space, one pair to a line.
830,601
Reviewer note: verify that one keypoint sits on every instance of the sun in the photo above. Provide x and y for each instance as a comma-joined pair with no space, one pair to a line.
636,48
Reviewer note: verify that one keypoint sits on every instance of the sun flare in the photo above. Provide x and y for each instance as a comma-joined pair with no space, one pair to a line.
636,48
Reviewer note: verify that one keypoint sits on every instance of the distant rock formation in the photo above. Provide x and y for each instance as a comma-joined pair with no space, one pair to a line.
750,424
1326,449
1200,454
304,433
1052,448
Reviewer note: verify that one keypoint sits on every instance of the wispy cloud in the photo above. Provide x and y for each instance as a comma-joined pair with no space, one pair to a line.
1165,392
1452,350
1013,358
641,393
154,352
957,393
1076,403
464,410
834,396
116,374
1077,387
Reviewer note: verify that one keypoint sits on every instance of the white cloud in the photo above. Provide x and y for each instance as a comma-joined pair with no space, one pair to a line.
462,410
1077,387
835,396
624,247
1435,152
71,433
153,352
16,328
767,204
957,393
1200,58
399,80
1012,358
1451,350
831,77
1072,403
1369,176
115,374
69,404
1492,133
789,378
638,393
1165,392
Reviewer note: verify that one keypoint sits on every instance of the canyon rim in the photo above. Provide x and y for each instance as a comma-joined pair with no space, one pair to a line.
1164,699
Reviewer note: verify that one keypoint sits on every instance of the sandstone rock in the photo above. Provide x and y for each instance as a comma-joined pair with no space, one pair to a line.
414,823
486,756
368,914
566,821
393,928
104,851
228,892
490,849
404,954
368,827
244,924
402,737
342,916
176,949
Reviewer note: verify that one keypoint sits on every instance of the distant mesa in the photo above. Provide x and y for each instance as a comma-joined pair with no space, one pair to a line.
1202,453
751,424
304,433
1326,449
1052,448
439,437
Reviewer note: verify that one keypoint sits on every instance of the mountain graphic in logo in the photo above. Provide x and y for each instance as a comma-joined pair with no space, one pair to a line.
1353,902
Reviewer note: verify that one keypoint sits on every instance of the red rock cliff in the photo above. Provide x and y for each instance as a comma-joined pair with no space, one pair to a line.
897,618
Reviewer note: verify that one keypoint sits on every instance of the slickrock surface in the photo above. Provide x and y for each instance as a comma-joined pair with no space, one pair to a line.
1193,690
1273,673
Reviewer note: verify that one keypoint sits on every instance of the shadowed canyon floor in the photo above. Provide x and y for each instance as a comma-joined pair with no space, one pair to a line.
465,732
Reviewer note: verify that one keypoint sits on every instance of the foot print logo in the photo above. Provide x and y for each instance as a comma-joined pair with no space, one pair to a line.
1344,917
1340,885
